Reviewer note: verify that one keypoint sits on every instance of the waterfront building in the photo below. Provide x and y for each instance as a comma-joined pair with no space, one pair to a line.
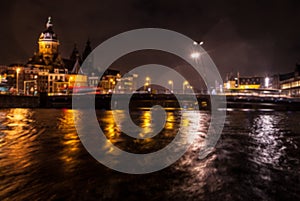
290,82
3,80
81,81
30,83
127,83
48,55
109,80
93,80
8,78
48,71
244,82
46,63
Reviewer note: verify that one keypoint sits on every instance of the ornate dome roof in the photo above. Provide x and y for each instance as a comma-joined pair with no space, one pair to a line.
48,34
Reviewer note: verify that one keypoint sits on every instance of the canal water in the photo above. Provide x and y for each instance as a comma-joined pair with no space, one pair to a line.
256,158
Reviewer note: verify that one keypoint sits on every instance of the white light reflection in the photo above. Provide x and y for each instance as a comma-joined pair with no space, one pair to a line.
268,140
199,171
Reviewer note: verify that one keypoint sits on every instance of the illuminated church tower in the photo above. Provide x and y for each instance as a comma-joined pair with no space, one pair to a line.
47,55
48,42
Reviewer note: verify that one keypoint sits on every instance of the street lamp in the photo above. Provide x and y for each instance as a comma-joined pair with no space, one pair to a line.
111,85
195,55
17,84
198,43
183,85
172,85
148,83
191,89
148,79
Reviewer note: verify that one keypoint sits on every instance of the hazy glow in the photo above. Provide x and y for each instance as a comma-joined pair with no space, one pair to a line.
195,55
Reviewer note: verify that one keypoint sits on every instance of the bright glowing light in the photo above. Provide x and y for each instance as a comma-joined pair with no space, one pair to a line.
17,84
184,85
195,55
267,82
172,85
228,85
196,43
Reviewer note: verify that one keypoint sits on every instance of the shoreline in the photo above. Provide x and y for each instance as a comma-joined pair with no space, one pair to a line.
139,101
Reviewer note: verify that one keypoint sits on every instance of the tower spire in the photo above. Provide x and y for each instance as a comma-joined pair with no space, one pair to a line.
49,22
87,50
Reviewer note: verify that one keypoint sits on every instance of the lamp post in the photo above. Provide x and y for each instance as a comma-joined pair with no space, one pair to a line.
17,84
148,79
191,89
148,83
172,85
196,55
183,86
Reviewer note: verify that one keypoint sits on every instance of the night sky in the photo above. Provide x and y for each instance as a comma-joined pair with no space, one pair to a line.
252,37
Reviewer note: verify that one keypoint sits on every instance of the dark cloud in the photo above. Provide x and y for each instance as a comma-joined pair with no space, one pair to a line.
253,37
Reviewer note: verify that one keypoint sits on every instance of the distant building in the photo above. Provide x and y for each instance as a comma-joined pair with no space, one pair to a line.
244,82
289,83
3,75
47,71
48,55
127,84
109,80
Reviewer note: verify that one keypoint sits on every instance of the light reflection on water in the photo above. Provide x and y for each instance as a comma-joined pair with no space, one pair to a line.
269,139
70,141
42,158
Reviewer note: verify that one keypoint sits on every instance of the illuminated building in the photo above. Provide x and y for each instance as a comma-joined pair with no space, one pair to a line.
290,82
113,82
93,80
46,71
242,83
30,81
47,60
81,80
51,70
250,82
109,80
48,51
127,84
3,76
